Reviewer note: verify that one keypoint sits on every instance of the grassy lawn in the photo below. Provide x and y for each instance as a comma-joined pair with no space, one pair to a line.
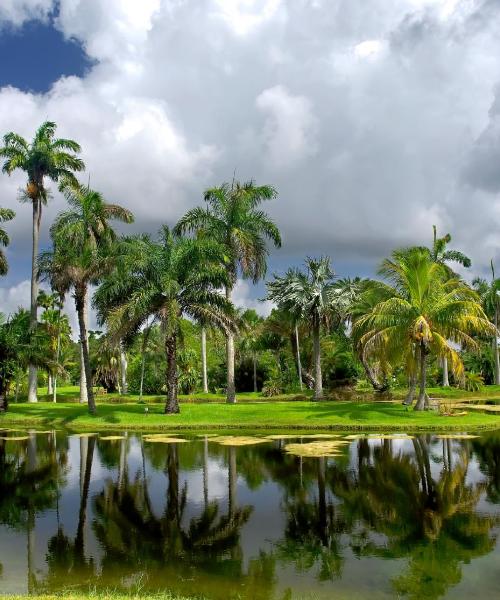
280,415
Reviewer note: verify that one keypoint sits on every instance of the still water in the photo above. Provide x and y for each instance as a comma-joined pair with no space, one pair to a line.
384,518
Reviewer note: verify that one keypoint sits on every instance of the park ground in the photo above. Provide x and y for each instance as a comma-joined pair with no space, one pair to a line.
467,411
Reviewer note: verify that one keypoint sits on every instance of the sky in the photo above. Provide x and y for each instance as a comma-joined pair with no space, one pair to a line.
373,120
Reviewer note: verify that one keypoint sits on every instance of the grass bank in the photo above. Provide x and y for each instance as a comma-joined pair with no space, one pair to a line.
369,416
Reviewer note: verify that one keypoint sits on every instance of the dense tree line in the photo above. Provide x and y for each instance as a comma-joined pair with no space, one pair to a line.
169,326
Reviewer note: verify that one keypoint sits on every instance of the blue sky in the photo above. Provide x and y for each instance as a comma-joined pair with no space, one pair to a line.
374,121
36,55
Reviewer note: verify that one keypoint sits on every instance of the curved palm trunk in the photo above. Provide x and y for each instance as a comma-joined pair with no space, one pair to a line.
297,350
377,385
408,401
80,302
204,359
318,380
496,359
231,391
172,405
422,396
32,371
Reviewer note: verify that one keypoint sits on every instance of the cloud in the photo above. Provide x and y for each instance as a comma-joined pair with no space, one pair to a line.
16,12
373,120
243,297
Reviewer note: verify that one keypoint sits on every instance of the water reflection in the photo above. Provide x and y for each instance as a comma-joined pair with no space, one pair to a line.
400,518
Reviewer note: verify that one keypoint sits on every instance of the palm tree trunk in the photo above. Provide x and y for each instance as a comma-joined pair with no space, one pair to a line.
58,352
205,471
496,359
254,359
123,369
408,401
83,378
422,396
50,384
446,381
299,365
231,391
232,482
204,360
172,405
377,386
318,381
32,371
80,301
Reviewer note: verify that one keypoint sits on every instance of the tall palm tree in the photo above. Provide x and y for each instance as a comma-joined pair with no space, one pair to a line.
5,215
490,298
232,219
82,240
312,297
252,326
426,313
45,156
165,279
443,256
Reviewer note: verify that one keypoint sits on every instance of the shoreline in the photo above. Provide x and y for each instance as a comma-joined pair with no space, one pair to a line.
294,416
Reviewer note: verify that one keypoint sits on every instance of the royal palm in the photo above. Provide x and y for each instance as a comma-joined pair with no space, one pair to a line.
82,239
45,157
232,218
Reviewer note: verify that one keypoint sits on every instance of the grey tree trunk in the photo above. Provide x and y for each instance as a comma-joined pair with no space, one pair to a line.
318,380
408,401
422,396
205,471
50,384
172,405
123,370
58,353
83,377
299,364
254,358
32,370
80,301
231,392
204,359
446,381
496,359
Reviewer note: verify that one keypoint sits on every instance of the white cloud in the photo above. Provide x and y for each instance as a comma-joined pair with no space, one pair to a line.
243,16
371,119
243,297
15,297
290,130
17,12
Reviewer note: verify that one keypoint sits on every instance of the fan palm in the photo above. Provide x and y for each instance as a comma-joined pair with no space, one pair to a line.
427,312
5,215
45,156
232,219
312,297
165,279
82,239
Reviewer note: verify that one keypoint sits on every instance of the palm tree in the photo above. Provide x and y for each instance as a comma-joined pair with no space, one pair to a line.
252,326
489,294
5,215
232,219
45,156
165,279
441,255
426,312
82,239
312,297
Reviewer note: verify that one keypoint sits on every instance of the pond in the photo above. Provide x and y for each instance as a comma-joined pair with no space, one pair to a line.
252,518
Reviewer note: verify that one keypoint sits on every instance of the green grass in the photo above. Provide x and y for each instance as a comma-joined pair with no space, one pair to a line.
249,416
